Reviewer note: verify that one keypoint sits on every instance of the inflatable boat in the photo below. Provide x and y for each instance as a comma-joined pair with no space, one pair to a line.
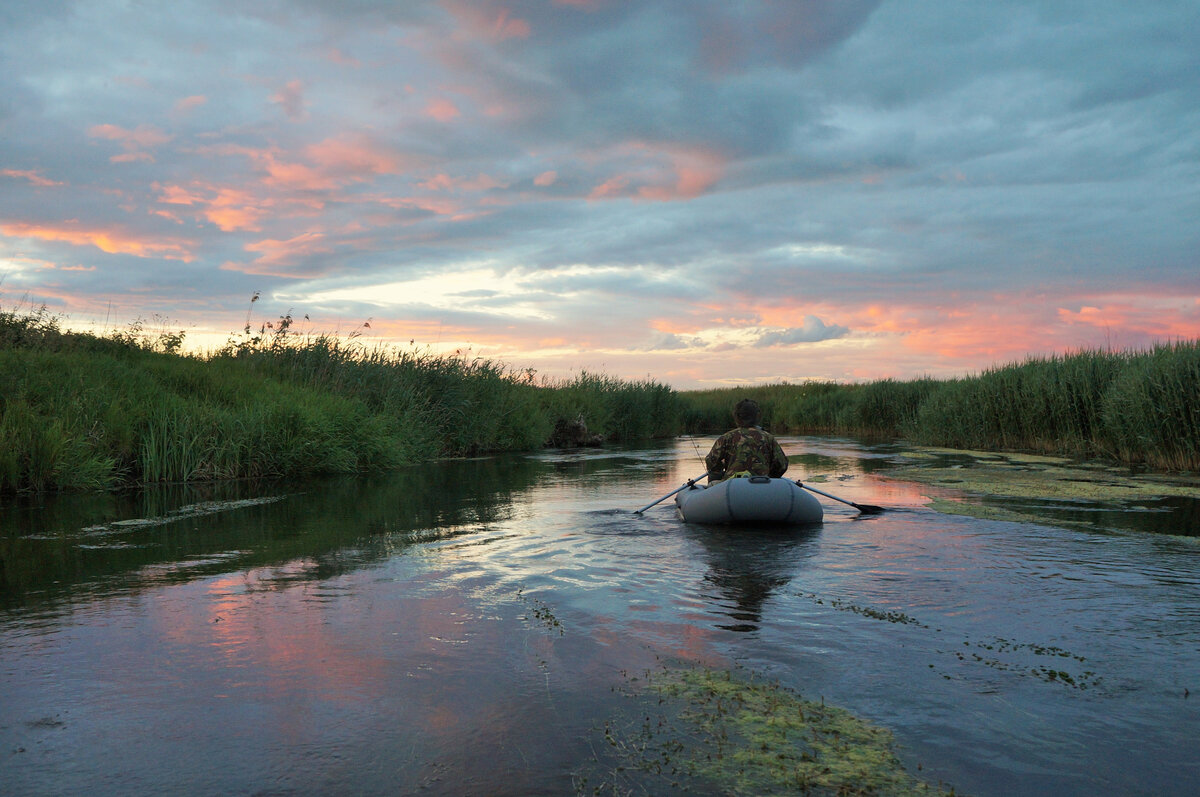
753,499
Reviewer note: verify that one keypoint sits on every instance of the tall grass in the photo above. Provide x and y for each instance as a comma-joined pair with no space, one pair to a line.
79,411
1137,408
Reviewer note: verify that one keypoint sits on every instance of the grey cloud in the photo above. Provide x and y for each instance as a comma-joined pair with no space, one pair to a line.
665,341
813,331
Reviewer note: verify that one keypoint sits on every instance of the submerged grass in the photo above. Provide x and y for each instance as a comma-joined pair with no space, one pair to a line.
78,411
1138,408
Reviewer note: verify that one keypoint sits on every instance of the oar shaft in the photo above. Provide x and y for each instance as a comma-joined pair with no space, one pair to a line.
827,495
867,509
690,482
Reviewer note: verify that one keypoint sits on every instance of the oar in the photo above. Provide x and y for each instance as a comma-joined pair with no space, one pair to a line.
866,509
690,482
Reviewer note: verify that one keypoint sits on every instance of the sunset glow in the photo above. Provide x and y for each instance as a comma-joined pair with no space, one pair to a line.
703,193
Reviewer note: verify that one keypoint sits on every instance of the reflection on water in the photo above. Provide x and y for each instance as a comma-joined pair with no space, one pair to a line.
461,628
53,545
747,568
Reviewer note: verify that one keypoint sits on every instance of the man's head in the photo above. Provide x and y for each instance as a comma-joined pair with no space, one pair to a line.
746,413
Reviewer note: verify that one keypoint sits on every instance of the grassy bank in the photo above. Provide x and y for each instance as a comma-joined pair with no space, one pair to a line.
79,411
1137,408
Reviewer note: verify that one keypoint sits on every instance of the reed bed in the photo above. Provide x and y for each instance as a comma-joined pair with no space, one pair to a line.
1139,408
83,412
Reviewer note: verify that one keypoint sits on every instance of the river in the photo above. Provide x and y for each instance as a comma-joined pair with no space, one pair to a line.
481,627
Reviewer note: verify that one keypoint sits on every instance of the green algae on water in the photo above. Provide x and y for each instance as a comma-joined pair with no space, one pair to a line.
738,734
1040,489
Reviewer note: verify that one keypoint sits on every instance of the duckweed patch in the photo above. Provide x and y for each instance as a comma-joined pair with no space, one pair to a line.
731,732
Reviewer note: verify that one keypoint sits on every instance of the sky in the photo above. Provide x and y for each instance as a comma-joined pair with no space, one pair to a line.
703,193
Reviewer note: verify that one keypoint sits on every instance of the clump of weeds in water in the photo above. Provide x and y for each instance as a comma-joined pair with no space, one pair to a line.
1016,654
542,613
733,733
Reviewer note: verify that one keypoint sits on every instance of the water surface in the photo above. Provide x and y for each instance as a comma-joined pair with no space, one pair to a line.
469,628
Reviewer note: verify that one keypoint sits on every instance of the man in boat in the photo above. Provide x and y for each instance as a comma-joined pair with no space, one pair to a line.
748,449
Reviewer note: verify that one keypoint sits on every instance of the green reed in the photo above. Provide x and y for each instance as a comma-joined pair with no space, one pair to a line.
79,411
1137,407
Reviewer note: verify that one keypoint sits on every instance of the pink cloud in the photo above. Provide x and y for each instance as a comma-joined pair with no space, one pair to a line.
141,137
510,27
188,104
661,172
229,208
354,157
546,179
442,110
134,142
277,258
484,22
338,56
694,170
234,210
177,195
444,182
112,241
32,176
613,186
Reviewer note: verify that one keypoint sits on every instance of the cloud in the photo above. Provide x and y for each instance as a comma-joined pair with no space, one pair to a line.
188,104
814,330
135,142
442,110
110,241
32,176
703,187
290,97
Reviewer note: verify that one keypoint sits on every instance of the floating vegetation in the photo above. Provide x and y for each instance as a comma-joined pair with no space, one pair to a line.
1054,491
1050,674
200,509
540,612
1016,654
866,611
720,731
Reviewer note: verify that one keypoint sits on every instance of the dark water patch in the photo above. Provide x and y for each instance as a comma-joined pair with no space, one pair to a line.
49,546
1174,515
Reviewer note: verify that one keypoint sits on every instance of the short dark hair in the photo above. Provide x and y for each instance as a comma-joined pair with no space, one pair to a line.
746,413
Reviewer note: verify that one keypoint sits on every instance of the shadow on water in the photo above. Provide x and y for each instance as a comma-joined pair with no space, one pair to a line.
747,566
70,545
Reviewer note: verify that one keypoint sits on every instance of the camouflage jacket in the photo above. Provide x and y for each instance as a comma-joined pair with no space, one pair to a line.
746,448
